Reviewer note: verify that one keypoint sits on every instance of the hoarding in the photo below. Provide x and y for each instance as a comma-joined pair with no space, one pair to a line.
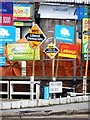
21,51
64,33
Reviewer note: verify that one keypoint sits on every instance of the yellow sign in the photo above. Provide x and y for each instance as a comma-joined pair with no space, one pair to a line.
35,36
34,44
18,23
35,30
21,12
51,50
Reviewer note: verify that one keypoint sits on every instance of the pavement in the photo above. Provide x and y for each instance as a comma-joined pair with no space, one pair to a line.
66,109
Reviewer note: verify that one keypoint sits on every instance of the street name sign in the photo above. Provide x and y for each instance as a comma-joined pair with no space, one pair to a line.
51,50
35,36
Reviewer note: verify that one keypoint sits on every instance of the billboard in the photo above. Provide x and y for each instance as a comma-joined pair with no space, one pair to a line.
22,51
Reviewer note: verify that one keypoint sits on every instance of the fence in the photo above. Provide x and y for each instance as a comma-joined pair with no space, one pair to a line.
10,89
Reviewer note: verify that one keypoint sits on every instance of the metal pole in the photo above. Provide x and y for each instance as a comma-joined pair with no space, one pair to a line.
75,63
53,78
32,77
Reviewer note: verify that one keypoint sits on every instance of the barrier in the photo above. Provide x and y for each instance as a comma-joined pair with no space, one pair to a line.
36,85
7,88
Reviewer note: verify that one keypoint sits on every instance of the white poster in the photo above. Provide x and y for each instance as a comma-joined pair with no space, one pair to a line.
57,11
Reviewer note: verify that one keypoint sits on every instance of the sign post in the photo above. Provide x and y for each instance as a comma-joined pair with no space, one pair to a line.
86,70
51,50
35,37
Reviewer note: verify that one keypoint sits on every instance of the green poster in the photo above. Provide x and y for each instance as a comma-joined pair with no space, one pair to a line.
22,51
85,38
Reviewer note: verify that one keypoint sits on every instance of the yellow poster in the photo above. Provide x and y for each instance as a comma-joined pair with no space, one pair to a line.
21,11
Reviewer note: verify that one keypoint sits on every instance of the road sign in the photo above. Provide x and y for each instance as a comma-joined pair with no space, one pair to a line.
35,36
51,50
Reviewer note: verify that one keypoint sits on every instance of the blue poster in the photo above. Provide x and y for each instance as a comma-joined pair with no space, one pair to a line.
7,7
64,33
7,34
1,47
0,7
2,61
80,13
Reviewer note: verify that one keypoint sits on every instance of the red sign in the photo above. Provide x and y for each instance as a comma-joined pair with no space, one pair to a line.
67,50
6,19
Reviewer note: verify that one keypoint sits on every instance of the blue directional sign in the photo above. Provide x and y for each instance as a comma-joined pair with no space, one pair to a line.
64,33
80,12
2,61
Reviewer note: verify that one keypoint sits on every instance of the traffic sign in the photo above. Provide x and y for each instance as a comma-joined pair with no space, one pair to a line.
51,50
35,36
